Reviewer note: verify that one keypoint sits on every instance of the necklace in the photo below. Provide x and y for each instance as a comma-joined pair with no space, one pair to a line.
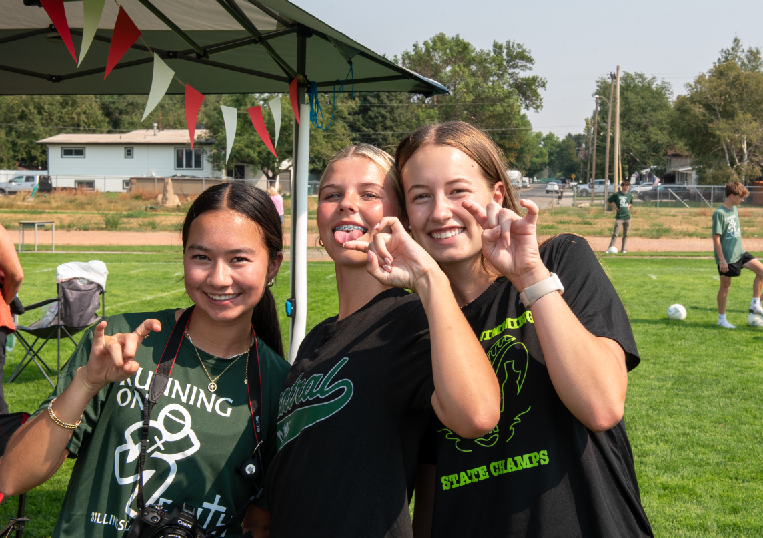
212,382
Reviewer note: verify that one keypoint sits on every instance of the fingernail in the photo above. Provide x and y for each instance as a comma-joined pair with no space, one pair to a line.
376,225
387,268
388,261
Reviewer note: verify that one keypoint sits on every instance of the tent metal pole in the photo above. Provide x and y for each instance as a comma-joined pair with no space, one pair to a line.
299,239
298,248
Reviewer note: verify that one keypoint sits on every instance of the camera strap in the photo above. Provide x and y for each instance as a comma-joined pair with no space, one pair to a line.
161,378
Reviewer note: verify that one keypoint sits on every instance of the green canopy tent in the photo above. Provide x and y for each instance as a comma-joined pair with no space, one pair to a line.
216,46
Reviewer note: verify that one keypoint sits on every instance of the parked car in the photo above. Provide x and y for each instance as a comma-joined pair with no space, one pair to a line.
641,186
26,181
667,192
597,187
554,186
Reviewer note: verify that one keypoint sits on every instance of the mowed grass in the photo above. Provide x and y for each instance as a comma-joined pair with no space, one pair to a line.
693,411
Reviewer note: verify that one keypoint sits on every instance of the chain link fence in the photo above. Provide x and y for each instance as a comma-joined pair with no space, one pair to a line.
692,196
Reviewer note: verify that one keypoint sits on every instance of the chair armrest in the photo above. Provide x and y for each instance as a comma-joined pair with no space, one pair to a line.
41,303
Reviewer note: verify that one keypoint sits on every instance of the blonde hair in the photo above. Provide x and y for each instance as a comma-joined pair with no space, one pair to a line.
464,137
272,191
381,158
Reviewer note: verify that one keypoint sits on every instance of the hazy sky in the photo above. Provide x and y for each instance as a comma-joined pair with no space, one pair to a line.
573,42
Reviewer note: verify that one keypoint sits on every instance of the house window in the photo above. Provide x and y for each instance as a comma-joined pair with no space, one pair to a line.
128,153
187,158
126,184
87,185
77,153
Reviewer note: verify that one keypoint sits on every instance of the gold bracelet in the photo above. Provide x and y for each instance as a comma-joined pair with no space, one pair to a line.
60,422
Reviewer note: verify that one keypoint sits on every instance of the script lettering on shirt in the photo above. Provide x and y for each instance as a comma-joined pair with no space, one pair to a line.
198,395
497,468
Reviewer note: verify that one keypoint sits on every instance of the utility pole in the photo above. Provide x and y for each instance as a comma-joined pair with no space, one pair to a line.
609,127
595,133
588,153
617,132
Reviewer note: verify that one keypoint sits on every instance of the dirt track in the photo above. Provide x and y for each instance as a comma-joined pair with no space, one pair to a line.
95,238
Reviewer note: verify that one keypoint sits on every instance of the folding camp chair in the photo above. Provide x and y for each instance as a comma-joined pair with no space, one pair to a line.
81,287
9,424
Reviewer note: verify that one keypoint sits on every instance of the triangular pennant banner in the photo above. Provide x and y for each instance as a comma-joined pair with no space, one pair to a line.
230,116
293,98
193,100
57,14
92,11
159,84
275,109
255,113
124,35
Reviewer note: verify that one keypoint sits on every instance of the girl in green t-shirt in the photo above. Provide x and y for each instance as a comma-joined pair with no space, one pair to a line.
232,250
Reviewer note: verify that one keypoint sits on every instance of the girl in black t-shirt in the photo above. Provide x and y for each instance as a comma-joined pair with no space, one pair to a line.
360,394
559,462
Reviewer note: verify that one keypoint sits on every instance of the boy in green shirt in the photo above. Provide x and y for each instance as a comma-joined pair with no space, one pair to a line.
729,254
621,202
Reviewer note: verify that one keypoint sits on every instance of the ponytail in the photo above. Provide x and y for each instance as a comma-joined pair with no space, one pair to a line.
265,322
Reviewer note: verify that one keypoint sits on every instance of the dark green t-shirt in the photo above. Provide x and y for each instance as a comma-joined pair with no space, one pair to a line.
196,438
622,201
726,224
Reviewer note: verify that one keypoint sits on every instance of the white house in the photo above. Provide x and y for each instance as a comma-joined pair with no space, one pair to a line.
105,162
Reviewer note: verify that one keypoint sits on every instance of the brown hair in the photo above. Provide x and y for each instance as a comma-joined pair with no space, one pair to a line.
464,137
253,203
734,187
625,183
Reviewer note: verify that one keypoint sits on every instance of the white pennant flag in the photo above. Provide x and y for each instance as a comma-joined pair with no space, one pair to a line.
92,11
275,108
230,116
159,84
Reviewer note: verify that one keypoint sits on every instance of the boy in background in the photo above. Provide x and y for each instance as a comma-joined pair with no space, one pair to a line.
621,202
729,254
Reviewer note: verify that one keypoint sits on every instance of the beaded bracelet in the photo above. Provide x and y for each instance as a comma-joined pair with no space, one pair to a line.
60,422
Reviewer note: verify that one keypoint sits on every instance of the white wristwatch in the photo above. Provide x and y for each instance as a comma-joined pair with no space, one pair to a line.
532,293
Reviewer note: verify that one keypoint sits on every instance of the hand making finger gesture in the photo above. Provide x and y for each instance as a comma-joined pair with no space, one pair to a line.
111,357
509,242
394,258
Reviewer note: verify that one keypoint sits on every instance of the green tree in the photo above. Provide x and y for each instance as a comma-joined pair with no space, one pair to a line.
721,121
26,119
488,88
382,119
645,122
749,60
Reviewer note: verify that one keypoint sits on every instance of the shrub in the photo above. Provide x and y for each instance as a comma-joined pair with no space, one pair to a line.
112,220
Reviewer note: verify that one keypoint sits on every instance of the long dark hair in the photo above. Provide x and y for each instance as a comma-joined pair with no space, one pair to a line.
255,204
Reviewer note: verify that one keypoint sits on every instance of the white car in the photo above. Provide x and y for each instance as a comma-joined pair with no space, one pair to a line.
552,186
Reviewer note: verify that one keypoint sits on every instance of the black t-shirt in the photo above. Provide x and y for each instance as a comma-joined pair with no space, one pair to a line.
354,408
540,472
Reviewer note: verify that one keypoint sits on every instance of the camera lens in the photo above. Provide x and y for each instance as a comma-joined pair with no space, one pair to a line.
154,518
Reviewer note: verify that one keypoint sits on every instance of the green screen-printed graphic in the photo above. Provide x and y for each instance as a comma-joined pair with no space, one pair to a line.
302,390
510,360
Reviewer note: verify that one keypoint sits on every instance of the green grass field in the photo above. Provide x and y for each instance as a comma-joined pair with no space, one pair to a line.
693,411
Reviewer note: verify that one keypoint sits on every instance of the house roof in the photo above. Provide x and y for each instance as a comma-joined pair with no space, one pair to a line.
141,136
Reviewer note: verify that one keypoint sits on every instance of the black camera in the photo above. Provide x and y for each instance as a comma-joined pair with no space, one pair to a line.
153,522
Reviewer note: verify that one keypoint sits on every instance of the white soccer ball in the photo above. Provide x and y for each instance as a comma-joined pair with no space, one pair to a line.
755,320
612,250
676,311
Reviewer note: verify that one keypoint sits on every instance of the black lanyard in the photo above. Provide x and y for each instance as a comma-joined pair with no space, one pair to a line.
162,376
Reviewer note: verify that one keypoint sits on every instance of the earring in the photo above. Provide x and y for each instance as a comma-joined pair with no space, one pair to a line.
320,242
270,284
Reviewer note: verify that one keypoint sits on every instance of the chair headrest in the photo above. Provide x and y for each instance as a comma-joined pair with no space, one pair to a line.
94,270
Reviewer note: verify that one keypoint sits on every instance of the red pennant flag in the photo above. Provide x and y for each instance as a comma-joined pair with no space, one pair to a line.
193,100
293,98
255,113
124,35
57,13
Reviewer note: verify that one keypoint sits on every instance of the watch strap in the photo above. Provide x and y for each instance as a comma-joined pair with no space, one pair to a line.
532,293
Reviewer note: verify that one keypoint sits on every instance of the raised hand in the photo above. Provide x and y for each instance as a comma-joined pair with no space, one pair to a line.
394,258
509,242
111,357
